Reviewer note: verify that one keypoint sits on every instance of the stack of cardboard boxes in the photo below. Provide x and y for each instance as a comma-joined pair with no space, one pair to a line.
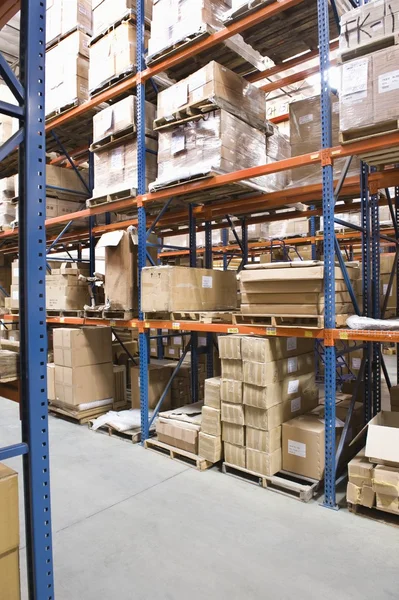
293,288
9,534
369,94
83,371
264,383
65,290
68,32
210,437
107,12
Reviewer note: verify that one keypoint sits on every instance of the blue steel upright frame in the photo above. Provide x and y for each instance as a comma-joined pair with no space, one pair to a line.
29,92
329,252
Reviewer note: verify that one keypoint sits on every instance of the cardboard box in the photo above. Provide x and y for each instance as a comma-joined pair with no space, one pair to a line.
230,346
263,441
84,385
107,12
63,16
387,503
232,370
120,270
385,88
9,575
386,481
303,445
62,296
233,434
210,422
9,510
263,374
119,117
264,350
382,443
291,389
231,391
232,413
356,100
51,381
158,377
360,471
178,435
265,464
204,289
81,347
234,455
212,392
210,447
365,496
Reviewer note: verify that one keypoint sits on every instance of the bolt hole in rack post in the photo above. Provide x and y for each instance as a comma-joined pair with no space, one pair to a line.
213,215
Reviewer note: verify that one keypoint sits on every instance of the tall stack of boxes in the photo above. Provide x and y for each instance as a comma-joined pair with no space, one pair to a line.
9,534
369,93
83,369
264,383
68,32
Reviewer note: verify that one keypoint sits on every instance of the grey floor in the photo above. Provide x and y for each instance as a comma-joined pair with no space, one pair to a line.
128,523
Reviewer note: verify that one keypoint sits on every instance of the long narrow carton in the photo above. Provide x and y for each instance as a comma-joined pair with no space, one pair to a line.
168,289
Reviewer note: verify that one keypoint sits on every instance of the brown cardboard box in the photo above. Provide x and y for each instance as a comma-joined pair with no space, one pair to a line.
386,481
83,385
120,270
360,471
305,122
204,289
386,87
234,455
303,446
365,496
263,441
233,434
387,503
291,389
9,575
382,443
210,447
233,413
265,464
231,391
158,377
177,435
219,87
232,370
51,381
9,515
62,296
356,101
363,25
264,350
263,374
230,346
210,422
293,272
107,12
121,116
63,16
212,392
81,347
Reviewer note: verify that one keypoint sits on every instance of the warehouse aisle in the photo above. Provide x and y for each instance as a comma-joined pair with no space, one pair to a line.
128,523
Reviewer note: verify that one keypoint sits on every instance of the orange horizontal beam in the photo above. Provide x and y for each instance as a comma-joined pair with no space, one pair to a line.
288,64
294,78
280,118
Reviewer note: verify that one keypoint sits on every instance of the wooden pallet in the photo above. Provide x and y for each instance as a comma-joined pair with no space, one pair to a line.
202,317
121,315
188,458
285,483
119,137
9,378
129,16
112,197
131,435
374,514
111,81
316,321
377,157
378,44
64,108
81,417
79,314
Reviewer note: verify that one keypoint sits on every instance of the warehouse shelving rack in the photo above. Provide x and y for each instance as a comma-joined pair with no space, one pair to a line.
33,226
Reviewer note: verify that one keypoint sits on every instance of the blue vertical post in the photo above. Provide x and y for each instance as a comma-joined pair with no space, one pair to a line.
366,283
312,231
375,278
244,241
142,229
92,247
225,241
397,279
32,288
208,265
194,334
329,256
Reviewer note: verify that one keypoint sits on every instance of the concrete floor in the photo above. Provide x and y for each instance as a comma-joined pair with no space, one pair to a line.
128,523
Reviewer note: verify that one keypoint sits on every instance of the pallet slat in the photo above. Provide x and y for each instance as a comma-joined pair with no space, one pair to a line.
188,458
316,321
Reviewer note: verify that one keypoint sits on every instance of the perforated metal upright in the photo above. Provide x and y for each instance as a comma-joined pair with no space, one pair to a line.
142,233
29,95
329,259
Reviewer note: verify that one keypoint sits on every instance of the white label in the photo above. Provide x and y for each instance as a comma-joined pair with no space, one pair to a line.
180,94
293,364
385,289
138,381
291,343
117,158
340,360
356,363
177,340
15,272
202,341
354,78
165,340
197,94
207,281
388,82
293,386
296,404
15,295
297,448
178,142
305,119
335,107
171,350
197,80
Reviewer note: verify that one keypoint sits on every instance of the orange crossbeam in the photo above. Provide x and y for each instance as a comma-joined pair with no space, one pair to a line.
294,78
